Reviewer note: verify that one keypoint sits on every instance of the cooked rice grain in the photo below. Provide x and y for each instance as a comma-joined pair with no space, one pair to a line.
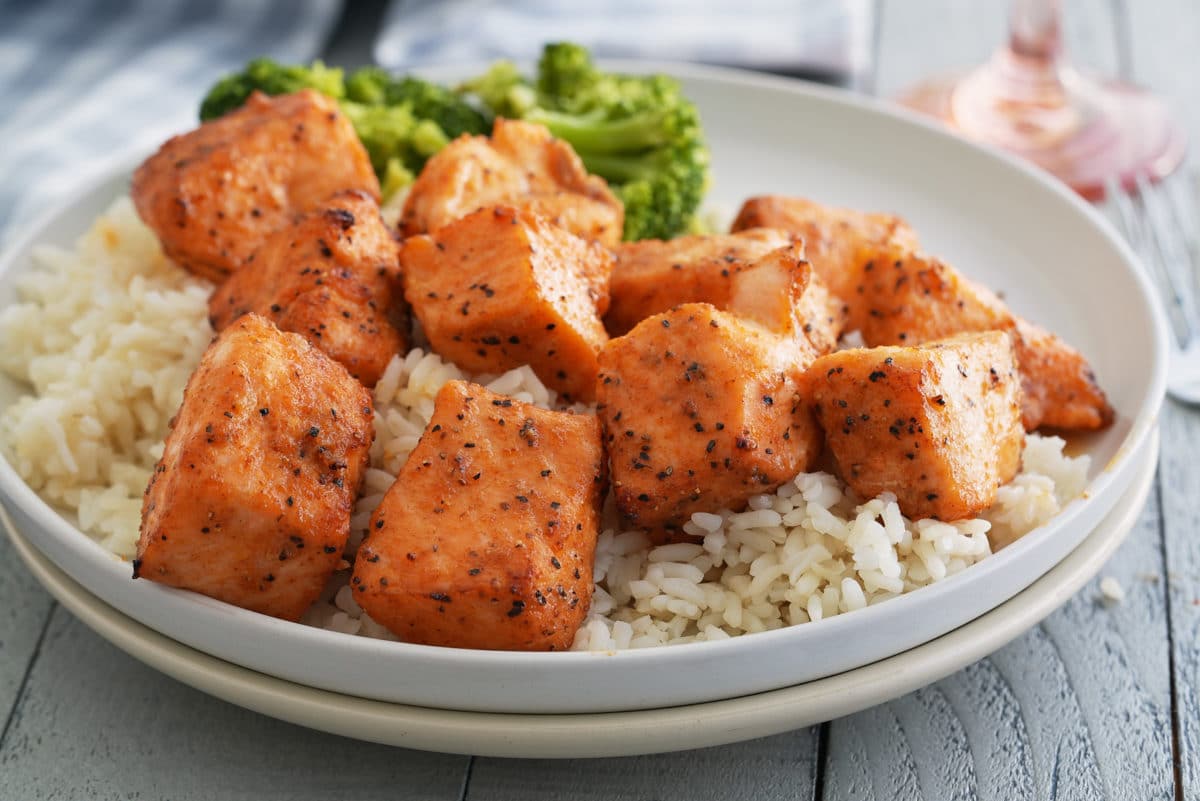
107,334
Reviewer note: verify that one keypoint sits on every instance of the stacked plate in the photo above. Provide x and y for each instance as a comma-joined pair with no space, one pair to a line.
999,221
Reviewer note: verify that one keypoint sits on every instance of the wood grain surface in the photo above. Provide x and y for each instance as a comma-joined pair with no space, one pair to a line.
1102,701
94,723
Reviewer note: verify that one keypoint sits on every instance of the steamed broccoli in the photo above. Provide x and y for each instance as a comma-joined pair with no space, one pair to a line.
638,132
400,121
504,90
428,101
271,78
397,141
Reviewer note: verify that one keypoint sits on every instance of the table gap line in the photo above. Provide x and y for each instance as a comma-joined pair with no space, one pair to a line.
1176,748
33,658
822,757
466,785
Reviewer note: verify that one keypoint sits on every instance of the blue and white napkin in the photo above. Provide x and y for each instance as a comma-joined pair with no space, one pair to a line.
826,37
83,82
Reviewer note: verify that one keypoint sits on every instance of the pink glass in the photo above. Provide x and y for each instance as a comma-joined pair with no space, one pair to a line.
1029,101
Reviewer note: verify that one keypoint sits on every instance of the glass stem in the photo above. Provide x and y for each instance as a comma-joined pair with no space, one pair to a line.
1035,30
1031,67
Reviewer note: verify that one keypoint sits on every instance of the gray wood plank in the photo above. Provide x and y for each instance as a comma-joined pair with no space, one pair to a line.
1078,708
1180,478
780,767
1164,35
24,610
95,723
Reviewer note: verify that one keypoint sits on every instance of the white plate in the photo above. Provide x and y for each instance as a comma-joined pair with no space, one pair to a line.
1052,255
613,733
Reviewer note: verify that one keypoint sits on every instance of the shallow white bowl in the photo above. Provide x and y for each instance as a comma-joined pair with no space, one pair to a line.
605,734
1050,254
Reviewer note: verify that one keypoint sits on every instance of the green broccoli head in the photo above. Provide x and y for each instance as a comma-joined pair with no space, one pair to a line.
504,90
661,187
272,78
428,101
566,76
369,86
394,134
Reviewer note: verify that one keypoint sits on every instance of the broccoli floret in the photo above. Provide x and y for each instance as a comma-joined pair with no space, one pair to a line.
503,90
394,133
637,132
272,78
661,187
395,176
566,74
428,101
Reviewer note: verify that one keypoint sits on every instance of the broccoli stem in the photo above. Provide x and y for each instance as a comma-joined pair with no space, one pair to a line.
621,169
600,136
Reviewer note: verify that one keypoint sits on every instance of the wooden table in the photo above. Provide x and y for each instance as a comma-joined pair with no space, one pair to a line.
1100,701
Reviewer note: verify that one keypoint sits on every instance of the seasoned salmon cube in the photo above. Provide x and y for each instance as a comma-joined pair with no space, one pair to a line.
520,165
907,298
938,425
212,195
251,501
327,276
652,275
838,241
782,293
1060,389
501,288
701,410
488,537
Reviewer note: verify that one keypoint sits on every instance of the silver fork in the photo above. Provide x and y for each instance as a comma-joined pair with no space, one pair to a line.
1158,219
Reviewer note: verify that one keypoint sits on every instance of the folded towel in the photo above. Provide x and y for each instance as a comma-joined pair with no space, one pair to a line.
825,37
86,82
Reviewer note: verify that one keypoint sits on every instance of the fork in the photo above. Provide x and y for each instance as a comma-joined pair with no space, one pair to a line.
1156,218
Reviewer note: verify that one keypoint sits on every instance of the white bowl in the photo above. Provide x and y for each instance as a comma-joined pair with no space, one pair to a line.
1051,255
608,734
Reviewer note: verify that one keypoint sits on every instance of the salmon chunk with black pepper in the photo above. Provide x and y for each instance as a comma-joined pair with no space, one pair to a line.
652,275
251,501
213,194
521,164
329,276
907,298
938,425
838,241
703,408
782,293
503,287
487,538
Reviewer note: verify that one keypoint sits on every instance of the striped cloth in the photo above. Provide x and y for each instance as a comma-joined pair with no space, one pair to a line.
830,38
82,83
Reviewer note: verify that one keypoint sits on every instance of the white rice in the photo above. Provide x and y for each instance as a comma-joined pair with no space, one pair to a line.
107,335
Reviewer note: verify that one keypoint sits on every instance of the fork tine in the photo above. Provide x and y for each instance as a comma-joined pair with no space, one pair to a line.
1134,226
1166,231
